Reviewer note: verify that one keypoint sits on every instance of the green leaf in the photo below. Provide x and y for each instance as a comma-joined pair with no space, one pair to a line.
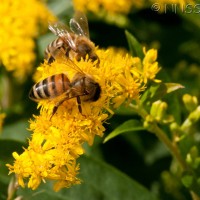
130,125
100,181
171,87
159,90
154,93
16,131
134,46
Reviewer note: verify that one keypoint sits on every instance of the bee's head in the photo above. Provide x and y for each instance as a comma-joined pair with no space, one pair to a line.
86,48
93,89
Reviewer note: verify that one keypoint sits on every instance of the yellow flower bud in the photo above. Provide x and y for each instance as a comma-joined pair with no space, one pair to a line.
148,121
190,102
158,110
195,115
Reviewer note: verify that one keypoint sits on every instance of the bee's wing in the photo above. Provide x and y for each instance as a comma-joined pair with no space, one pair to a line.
79,24
60,56
63,31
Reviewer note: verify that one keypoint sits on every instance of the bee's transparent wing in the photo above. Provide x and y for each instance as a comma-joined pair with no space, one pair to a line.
63,31
60,57
79,24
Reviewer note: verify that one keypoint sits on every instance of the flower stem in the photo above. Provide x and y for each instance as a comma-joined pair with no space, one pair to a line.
153,128
171,146
194,196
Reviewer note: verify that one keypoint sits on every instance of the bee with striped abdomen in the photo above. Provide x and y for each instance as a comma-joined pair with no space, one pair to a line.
83,87
74,40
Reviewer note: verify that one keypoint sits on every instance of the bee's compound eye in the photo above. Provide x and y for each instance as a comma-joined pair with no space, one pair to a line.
97,92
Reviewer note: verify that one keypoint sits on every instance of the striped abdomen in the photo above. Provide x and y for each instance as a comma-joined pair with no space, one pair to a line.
50,87
52,48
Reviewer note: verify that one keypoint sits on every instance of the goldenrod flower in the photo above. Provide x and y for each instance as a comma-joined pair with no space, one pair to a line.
179,2
2,117
21,22
148,68
125,6
110,6
95,6
57,142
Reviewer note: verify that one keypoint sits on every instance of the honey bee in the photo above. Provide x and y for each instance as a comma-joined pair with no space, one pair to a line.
83,87
74,40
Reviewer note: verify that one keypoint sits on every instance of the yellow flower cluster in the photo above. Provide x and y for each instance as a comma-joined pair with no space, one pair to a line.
111,6
57,141
20,22
149,67
180,2
124,6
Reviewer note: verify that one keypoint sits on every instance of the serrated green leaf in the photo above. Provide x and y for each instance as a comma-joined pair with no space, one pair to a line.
171,87
100,181
134,46
130,125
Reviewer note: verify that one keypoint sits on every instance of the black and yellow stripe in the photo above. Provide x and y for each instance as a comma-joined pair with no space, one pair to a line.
50,87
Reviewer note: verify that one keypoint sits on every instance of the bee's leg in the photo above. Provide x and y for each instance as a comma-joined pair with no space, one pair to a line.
56,107
50,59
79,104
60,102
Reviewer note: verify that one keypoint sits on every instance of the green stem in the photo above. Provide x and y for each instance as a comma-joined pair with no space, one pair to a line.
194,196
139,110
153,128
171,146
12,189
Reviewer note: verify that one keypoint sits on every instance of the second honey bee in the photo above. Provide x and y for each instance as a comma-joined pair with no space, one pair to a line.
83,87
74,40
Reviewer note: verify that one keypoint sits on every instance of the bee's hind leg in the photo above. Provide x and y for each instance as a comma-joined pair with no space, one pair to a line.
56,107
61,102
79,104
